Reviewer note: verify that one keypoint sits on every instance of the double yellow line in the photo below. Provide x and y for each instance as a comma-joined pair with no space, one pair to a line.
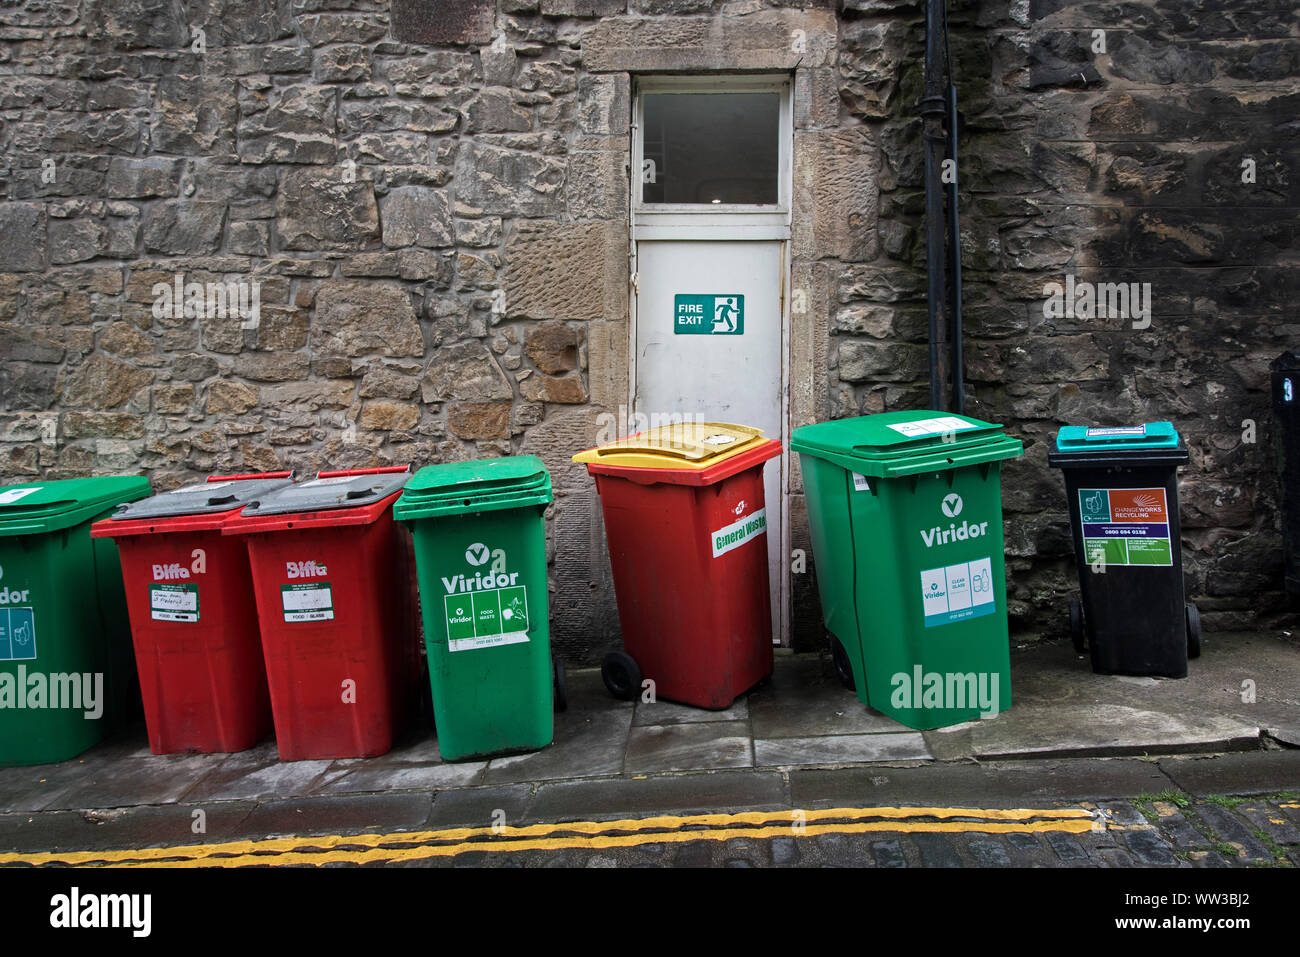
664,829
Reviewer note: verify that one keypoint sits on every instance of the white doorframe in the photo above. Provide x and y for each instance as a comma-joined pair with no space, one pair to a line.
679,221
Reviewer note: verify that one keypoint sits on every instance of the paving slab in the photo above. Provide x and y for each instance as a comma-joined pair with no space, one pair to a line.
406,777
669,793
587,744
1263,772
1000,784
589,738
1061,707
157,779
840,749
39,787
244,778
151,826
661,712
804,699
481,807
341,814
689,747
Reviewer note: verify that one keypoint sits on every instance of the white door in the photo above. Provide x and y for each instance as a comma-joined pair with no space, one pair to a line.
710,227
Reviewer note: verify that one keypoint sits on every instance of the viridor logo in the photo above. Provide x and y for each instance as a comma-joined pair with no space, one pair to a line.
308,569
938,535
479,582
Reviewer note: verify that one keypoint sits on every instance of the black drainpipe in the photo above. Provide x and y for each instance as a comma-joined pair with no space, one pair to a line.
954,236
933,107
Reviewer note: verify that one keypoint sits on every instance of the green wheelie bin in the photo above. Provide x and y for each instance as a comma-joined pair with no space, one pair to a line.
480,557
66,659
905,515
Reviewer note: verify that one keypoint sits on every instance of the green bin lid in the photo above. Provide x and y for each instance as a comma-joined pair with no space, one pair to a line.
37,507
1152,435
480,486
894,444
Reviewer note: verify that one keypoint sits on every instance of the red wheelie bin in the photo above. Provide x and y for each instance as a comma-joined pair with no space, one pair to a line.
189,595
686,523
335,586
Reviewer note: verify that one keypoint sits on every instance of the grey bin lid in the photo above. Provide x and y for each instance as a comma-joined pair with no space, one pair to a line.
338,491
201,498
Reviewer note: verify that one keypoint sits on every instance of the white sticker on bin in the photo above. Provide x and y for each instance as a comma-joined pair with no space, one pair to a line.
860,483
1123,430
309,602
9,496
336,480
937,426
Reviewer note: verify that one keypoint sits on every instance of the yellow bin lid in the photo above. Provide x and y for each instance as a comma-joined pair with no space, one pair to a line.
682,445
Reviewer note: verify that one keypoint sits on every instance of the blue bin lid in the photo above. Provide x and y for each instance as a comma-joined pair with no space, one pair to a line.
1151,435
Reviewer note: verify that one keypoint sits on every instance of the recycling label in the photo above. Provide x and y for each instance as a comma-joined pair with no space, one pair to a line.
174,602
487,618
739,532
1125,526
957,592
17,634
309,601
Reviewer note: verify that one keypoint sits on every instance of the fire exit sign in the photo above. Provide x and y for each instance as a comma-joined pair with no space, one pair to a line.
709,315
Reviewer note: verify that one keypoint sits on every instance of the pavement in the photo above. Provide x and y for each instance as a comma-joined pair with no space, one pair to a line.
1083,770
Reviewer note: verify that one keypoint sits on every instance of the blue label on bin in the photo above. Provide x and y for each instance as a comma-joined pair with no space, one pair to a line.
957,592
17,634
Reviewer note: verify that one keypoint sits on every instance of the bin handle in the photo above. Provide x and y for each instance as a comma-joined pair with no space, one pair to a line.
378,470
287,473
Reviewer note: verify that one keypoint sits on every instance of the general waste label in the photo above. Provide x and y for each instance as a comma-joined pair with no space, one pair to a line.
739,532
957,592
308,601
486,619
711,315
17,634
1125,526
174,602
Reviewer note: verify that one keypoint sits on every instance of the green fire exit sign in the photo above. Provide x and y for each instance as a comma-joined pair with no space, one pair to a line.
716,315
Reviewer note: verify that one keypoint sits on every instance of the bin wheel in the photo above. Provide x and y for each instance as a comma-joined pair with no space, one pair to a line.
1193,631
561,684
843,669
622,675
1076,625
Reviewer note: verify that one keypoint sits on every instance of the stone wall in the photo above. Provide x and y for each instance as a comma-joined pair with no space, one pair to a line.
431,201
1109,142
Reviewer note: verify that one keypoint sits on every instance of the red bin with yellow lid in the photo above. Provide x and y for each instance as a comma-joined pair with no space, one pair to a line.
686,524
